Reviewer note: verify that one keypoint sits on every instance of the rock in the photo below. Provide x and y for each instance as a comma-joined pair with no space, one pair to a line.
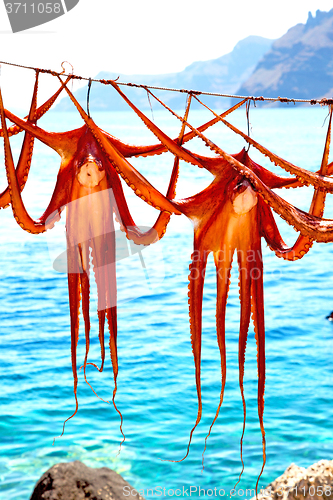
299,64
76,481
298,483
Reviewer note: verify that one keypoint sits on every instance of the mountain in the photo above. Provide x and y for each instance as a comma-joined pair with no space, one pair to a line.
299,64
222,75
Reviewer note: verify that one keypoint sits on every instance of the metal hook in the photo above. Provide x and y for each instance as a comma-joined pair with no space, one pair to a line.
248,122
88,96
151,108
63,69
328,114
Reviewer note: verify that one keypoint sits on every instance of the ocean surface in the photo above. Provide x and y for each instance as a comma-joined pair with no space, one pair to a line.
156,385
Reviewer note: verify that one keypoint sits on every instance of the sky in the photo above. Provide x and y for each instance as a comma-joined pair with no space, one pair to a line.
138,36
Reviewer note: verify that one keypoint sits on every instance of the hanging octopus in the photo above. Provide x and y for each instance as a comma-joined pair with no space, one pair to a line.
88,184
232,214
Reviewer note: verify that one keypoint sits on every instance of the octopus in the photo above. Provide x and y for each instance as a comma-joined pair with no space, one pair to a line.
88,184
229,217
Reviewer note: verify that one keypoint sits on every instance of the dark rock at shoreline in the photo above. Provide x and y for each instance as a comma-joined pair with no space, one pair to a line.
76,481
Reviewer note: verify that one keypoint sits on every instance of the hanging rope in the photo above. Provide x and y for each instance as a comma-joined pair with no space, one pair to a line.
151,107
248,104
88,96
325,101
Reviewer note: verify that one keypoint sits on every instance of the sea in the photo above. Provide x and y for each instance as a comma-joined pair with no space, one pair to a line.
156,383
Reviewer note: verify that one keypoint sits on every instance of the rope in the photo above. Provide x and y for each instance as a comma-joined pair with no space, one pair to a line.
325,101
248,122
88,96
151,107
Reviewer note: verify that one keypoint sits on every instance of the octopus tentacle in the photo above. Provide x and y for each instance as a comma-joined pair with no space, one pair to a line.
305,176
123,215
205,126
24,162
320,230
101,325
195,295
269,229
316,180
101,322
64,143
257,304
83,251
165,140
245,270
142,188
129,150
213,165
272,180
104,257
40,111
159,148
60,197
223,270
171,145
111,310
121,208
329,169
303,243
164,218
95,231
226,217
204,211
58,201
101,317
85,291
269,178
111,314
19,211
74,301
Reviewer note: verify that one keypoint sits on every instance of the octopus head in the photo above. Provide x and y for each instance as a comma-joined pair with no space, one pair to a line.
243,197
90,171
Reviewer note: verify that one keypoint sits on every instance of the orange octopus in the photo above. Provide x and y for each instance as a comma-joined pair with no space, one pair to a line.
231,215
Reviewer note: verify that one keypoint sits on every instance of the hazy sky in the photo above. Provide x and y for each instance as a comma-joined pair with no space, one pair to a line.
141,36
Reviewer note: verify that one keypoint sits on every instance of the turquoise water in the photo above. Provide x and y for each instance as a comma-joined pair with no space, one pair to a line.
156,393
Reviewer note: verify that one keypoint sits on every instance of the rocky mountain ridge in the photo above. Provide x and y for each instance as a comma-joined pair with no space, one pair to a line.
222,75
299,64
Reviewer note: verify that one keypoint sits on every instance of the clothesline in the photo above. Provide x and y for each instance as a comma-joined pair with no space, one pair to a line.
323,102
